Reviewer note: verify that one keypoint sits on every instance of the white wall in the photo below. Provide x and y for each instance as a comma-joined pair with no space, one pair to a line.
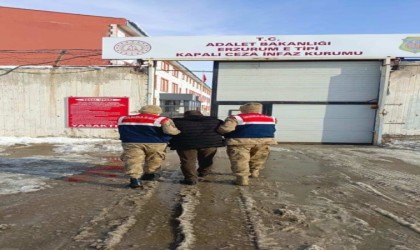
34,101
402,102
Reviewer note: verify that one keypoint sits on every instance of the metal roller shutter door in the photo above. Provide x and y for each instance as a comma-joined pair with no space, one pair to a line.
323,101
324,123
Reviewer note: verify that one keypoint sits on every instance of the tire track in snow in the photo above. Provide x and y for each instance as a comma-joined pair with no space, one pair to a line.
256,229
414,226
189,200
373,190
157,226
391,178
107,229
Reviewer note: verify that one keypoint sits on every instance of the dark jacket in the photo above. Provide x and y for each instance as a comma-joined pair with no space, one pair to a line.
197,132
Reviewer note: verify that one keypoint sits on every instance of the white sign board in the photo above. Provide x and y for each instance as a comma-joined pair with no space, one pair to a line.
265,47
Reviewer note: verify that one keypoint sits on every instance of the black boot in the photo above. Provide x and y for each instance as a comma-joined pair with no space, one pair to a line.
203,174
150,177
135,183
188,182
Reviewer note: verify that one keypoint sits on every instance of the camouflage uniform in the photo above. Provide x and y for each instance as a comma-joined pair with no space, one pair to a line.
248,148
144,140
141,158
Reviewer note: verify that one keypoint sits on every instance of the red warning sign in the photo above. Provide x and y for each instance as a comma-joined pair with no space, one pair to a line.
96,112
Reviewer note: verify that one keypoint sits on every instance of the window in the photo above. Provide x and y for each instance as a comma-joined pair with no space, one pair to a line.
164,85
165,66
175,72
174,88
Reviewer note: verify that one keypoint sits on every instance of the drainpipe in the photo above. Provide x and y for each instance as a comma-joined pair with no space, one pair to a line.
150,81
383,90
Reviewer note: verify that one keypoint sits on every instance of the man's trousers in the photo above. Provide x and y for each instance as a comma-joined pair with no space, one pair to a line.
189,159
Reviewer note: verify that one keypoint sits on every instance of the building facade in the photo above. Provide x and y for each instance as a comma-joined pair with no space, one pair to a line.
55,83
188,91
322,88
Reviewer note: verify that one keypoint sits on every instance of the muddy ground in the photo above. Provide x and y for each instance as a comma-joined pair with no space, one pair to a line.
308,197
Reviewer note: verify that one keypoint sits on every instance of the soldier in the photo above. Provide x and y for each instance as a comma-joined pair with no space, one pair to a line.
248,136
144,140
198,141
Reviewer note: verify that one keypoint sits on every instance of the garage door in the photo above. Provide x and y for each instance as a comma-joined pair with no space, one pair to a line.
324,123
326,101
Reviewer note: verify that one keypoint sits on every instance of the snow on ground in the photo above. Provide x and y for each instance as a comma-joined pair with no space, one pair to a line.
70,156
189,201
410,145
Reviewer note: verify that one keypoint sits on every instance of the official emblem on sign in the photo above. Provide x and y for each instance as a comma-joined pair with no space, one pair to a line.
411,44
132,48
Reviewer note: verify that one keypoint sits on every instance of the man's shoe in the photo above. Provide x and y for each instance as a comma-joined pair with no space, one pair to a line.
188,182
135,183
202,174
242,181
150,177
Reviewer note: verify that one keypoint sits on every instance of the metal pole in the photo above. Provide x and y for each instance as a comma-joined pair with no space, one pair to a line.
150,82
381,112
